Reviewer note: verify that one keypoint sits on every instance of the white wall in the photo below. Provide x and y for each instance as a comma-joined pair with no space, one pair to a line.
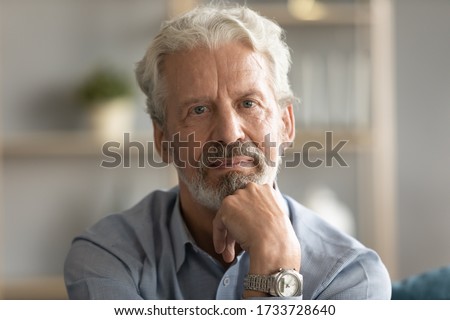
422,47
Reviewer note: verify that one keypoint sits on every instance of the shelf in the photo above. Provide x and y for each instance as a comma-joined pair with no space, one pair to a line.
49,144
85,144
357,140
40,288
60,143
335,14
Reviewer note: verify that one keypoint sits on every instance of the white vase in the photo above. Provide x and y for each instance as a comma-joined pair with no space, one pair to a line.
111,119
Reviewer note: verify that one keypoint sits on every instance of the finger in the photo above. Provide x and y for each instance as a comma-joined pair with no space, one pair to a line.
219,236
229,252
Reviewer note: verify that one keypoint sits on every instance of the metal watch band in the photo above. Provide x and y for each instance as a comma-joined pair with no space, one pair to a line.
256,282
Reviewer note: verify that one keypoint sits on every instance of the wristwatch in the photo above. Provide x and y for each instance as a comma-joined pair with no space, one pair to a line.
284,283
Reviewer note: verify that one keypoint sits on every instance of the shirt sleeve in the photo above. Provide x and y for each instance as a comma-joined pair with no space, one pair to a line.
92,272
361,278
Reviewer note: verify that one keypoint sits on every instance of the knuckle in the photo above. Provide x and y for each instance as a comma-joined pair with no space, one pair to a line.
226,201
252,186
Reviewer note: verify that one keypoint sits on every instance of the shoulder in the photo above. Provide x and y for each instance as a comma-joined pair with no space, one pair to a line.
311,227
337,265
107,260
130,235
155,207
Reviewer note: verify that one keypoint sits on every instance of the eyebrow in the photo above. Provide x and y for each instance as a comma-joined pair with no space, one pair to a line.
237,93
193,100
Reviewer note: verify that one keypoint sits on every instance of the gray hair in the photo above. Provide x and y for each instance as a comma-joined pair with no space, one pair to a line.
212,26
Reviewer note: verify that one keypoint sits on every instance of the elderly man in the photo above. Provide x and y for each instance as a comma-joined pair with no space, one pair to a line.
216,82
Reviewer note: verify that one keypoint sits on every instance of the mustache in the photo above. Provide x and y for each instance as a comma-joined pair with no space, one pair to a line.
216,153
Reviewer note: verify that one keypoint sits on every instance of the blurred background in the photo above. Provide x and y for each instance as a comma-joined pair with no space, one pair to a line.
374,72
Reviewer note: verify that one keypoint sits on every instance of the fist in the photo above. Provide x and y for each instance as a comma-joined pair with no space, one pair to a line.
253,218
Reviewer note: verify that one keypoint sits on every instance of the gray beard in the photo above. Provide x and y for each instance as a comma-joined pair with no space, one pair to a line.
211,195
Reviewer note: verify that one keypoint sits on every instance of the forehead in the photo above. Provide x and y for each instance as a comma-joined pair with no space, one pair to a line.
233,66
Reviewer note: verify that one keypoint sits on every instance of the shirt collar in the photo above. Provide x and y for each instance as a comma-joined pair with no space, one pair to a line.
281,200
180,234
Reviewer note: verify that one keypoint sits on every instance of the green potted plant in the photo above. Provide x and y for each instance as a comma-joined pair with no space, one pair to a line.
108,98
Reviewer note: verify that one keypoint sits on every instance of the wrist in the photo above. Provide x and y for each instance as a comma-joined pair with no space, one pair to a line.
267,258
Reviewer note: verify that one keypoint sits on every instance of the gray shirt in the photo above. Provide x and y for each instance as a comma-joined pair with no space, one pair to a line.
147,252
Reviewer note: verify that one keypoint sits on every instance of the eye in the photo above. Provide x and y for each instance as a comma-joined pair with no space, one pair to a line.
199,109
248,104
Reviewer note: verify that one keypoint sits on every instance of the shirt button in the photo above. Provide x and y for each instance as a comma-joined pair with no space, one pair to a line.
226,281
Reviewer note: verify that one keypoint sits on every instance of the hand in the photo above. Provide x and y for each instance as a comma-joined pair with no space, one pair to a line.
253,218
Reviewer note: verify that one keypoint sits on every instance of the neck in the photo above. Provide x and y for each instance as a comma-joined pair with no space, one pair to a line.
199,219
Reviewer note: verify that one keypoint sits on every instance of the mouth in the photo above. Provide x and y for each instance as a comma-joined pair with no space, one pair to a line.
232,163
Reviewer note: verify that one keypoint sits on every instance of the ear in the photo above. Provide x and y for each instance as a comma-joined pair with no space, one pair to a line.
289,123
161,144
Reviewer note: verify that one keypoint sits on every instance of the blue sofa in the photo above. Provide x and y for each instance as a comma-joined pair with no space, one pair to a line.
430,285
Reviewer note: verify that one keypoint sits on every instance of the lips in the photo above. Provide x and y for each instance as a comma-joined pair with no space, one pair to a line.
238,161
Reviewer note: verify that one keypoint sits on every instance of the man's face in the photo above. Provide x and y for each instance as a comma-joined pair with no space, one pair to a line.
216,99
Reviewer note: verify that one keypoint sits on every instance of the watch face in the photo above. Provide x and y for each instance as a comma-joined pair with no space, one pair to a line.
288,285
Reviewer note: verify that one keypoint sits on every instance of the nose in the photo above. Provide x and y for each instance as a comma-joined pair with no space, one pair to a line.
228,126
